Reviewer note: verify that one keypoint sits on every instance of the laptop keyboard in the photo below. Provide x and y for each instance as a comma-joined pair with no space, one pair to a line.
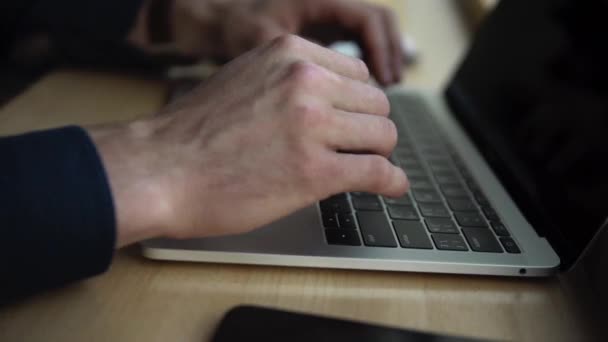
444,209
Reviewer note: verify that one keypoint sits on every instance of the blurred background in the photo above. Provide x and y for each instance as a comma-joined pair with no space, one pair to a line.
444,40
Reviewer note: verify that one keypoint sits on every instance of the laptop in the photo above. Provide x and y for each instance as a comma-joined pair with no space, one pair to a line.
506,167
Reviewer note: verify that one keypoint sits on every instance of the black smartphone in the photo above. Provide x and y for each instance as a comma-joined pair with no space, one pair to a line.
250,323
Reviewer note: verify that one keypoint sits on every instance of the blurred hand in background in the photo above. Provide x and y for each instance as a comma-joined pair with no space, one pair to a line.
225,29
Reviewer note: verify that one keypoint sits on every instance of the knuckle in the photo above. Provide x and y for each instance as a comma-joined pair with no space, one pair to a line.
303,73
309,116
263,34
286,43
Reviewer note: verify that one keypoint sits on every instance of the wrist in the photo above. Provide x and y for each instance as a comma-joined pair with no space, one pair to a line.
140,204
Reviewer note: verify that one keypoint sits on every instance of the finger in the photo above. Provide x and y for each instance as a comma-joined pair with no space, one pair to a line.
368,26
369,173
376,47
396,51
355,96
355,132
343,65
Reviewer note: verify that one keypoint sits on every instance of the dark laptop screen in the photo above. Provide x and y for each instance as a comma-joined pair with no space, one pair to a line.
533,94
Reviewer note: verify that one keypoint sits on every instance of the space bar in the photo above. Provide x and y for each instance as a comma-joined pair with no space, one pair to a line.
375,229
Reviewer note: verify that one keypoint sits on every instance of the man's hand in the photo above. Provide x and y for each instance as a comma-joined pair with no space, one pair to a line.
277,129
225,29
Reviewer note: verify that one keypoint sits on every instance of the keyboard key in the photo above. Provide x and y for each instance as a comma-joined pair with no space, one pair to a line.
404,146
421,183
438,167
412,235
490,213
470,220
499,228
362,194
433,210
456,158
425,137
429,139
425,177
427,196
403,200
437,159
482,240
367,203
404,141
402,212
346,221
376,229
414,172
447,179
329,220
404,149
480,198
433,150
441,225
472,185
449,242
342,237
409,163
338,198
335,206
454,191
461,204
510,245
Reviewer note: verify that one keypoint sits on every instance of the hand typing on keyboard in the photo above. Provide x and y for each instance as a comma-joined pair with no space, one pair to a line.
446,209
258,141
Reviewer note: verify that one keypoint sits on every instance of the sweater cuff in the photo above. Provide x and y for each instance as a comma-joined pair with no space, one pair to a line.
56,210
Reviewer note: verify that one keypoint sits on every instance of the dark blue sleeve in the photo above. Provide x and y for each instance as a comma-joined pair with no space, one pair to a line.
57,220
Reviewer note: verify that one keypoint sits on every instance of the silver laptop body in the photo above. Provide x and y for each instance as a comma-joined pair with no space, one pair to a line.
300,239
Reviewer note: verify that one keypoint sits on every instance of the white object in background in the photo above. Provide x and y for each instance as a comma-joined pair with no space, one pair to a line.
352,49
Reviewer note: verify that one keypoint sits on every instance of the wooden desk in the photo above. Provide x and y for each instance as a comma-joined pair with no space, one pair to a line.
144,300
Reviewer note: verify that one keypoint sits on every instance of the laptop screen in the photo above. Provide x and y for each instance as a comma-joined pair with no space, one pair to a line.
533,94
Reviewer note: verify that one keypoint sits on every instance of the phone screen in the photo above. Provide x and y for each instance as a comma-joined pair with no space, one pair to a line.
249,323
